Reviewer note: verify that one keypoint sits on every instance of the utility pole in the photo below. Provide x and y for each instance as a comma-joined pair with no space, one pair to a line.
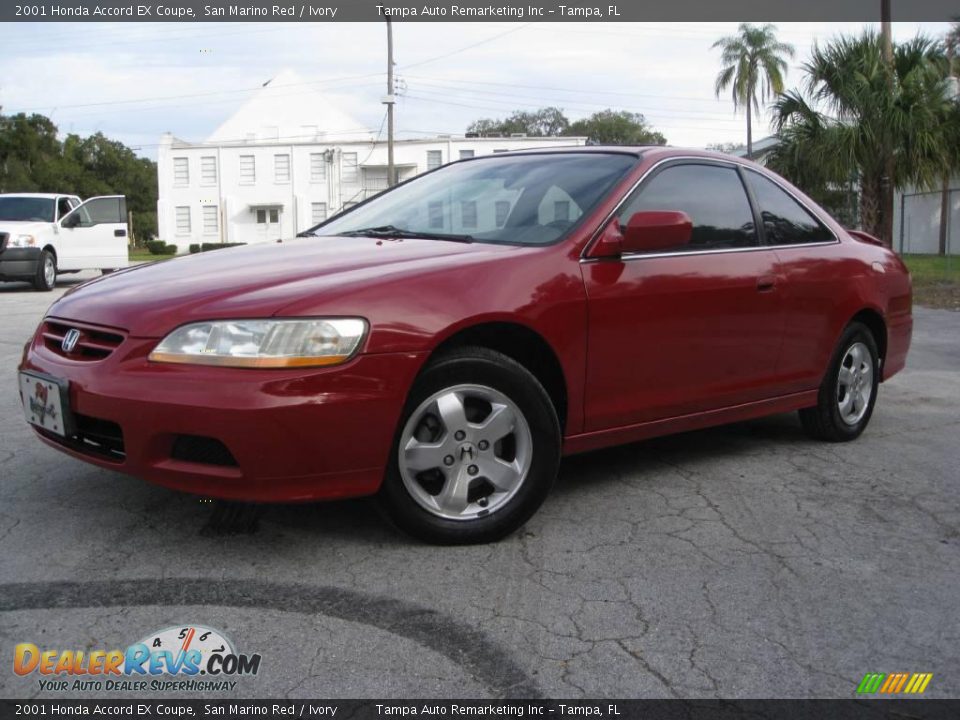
389,102
886,32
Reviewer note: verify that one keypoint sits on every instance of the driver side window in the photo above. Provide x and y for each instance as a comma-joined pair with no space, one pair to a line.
64,206
713,197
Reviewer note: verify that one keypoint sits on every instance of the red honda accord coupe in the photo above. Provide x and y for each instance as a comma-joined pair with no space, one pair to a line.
444,343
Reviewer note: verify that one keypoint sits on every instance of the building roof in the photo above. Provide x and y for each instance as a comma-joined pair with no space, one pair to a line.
760,147
288,108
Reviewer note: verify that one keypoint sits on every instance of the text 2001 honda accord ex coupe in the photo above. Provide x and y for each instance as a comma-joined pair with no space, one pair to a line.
444,343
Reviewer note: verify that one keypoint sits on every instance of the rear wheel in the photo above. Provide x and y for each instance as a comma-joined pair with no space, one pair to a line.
848,392
476,453
46,276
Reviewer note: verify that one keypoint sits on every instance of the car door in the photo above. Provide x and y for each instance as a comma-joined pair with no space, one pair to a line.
94,234
684,329
815,274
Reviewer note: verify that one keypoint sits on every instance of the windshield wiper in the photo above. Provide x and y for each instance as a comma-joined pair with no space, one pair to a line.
392,231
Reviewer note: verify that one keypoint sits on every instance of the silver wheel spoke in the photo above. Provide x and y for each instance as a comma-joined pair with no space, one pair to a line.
423,456
498,424
453,497
450,407
846,376
503,475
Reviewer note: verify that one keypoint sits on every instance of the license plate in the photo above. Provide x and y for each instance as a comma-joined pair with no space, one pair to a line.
45,402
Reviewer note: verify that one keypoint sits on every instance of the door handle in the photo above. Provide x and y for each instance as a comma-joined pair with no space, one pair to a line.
766,283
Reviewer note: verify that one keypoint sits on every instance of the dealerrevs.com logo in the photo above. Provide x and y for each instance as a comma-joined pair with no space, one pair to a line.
184,658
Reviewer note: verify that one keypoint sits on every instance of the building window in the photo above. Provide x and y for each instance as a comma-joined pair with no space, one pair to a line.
248,170
281,168
181,171
349,173
464,154
265,214
183,219
318,212
210,219
434,159
561,210
468,213
208,170
436,214
503,209
318,168
375,179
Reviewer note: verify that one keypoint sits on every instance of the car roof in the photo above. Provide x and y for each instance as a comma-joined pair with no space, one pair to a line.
639,151
48,196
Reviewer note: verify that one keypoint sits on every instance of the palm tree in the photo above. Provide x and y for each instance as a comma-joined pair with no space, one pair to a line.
753,60
860,114
951,43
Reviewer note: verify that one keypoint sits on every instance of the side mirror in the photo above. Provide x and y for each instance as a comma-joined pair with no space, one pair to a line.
71,220
652,230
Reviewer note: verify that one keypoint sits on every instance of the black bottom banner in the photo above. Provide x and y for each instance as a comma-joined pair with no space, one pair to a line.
852,709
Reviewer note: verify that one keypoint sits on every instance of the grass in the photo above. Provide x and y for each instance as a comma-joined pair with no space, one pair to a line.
936,280
144,255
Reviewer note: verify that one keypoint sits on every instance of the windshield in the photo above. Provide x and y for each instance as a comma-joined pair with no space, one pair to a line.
28,209
522,199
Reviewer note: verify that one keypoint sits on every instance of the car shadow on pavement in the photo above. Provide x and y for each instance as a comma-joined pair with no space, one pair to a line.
25,287
353,520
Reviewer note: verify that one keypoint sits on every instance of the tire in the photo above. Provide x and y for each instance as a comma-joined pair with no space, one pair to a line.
854,368
108,271
45,278
482,477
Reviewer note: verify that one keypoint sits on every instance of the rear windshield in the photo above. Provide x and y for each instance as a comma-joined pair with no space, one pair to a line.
523,199
27,209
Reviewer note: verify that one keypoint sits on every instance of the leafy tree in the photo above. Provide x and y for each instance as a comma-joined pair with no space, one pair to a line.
616,127
33,159
858,114
752,61
545,122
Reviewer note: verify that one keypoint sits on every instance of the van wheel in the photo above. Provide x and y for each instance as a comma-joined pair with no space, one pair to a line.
848,392
476,451
46,276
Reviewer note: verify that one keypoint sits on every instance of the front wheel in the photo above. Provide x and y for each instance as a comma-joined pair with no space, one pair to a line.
848,392
476,452
46,276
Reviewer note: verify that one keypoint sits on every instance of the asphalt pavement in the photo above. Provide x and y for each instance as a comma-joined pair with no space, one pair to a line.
743,561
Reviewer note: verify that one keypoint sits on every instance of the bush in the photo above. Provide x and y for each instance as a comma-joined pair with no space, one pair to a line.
194,248
159,247
217,246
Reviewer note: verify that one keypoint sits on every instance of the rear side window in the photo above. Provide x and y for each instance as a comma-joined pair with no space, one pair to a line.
713,197
785,221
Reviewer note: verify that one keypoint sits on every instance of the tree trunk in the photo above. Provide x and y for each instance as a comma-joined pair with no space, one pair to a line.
749,125
871,191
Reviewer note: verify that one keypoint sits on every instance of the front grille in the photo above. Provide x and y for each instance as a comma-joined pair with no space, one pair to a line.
94,343
199,449
92,436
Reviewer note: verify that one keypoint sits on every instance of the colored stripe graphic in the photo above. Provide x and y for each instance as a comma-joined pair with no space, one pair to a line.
894,683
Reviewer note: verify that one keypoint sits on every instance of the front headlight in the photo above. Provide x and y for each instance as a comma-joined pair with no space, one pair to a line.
22,241
263,343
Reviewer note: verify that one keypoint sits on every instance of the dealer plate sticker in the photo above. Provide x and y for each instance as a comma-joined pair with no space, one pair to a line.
42,403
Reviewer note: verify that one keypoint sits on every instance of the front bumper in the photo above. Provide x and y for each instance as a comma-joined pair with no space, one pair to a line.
19,263
293,435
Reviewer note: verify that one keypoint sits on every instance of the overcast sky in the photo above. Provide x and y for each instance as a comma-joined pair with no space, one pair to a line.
134,81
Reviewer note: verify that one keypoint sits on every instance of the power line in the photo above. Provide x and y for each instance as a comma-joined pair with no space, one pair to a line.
467,47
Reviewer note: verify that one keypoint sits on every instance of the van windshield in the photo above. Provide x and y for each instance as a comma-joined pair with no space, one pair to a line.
518,199
27,209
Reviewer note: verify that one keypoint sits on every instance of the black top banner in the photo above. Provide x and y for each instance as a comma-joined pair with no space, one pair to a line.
471,11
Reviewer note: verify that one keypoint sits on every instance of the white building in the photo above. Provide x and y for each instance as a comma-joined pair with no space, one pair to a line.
285,161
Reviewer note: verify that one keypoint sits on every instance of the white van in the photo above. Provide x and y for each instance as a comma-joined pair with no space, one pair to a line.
43,234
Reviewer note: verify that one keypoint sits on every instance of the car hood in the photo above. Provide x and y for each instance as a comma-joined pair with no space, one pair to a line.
257,280
22,227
